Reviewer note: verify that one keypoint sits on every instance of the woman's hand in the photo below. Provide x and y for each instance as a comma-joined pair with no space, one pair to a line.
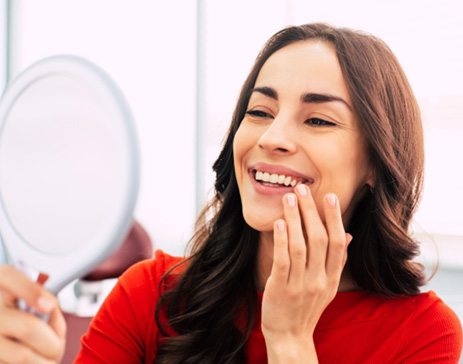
308,261
24,338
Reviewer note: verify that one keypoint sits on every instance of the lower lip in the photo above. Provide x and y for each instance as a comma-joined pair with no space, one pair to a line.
269,190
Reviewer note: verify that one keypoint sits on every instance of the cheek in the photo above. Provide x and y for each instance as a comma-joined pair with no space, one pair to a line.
238,145
246,137
242,143
236,157
343,170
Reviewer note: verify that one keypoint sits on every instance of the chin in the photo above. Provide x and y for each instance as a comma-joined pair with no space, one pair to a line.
261,222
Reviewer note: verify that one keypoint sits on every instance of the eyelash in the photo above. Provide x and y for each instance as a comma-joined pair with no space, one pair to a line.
258,113
318,122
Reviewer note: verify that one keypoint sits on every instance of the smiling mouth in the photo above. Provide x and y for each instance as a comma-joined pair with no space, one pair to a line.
277,180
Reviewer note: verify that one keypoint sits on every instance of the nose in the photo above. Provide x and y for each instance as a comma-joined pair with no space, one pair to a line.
278,137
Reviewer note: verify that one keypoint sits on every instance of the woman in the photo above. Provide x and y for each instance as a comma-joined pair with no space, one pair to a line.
323,160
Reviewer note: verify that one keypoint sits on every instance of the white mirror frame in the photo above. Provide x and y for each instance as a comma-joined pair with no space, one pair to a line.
64,268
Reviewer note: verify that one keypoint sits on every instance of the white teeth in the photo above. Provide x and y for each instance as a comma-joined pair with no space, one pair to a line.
275,178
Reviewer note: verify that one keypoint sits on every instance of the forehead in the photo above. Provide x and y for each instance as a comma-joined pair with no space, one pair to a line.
304,66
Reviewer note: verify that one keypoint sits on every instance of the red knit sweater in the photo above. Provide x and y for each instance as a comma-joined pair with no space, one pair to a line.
357,327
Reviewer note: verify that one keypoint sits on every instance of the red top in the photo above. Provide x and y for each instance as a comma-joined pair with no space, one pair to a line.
357,327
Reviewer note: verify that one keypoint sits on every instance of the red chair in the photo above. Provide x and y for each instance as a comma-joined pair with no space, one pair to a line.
89,290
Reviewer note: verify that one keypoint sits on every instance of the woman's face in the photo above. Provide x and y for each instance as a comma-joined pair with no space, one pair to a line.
299,128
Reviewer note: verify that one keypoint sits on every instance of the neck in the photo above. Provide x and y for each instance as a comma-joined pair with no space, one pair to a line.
265,261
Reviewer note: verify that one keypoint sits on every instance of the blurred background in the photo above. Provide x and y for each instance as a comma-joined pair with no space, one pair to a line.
181,65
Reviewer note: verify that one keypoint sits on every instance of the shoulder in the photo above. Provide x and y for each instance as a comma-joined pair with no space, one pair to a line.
407,329
149,272
427,309
420,313
367,306
124,330
135,296
431,309
422,316
431,328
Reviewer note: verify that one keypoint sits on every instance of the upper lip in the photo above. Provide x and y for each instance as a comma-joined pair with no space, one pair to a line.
277,169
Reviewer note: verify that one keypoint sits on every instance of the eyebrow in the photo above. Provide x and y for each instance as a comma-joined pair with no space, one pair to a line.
310,97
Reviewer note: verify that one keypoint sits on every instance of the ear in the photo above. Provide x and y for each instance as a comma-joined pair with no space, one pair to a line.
370,178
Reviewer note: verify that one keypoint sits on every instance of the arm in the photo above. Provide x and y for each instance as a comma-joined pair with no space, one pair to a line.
307,265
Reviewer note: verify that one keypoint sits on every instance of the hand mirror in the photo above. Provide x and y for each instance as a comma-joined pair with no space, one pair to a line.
69,169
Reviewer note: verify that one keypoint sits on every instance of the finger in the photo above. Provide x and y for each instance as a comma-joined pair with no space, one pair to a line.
58,323
337,236
16,285
281,262
31,332
317,244
56,319
7,300
297,245
348,240
12,352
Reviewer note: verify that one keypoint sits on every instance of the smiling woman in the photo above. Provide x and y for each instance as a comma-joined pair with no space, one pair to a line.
356,167
304,253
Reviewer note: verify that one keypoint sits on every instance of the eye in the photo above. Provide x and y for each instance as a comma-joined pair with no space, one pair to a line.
258,114
319,122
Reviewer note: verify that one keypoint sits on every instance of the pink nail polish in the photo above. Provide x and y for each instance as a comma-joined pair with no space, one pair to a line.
45,304
302,189
291,198
331,198
281,225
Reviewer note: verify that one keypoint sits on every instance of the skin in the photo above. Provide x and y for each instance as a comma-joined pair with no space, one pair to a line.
303,244
25,338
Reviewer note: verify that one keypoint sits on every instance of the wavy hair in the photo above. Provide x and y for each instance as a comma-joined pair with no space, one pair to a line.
219,280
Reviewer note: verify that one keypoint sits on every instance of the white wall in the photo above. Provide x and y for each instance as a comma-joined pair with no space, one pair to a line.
3,37
149,48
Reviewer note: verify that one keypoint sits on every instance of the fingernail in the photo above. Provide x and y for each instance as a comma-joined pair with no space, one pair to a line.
42,278
45,304
291,199
331,198
281,225
302,189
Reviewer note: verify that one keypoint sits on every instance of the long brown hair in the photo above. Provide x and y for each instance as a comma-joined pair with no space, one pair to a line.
220,278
